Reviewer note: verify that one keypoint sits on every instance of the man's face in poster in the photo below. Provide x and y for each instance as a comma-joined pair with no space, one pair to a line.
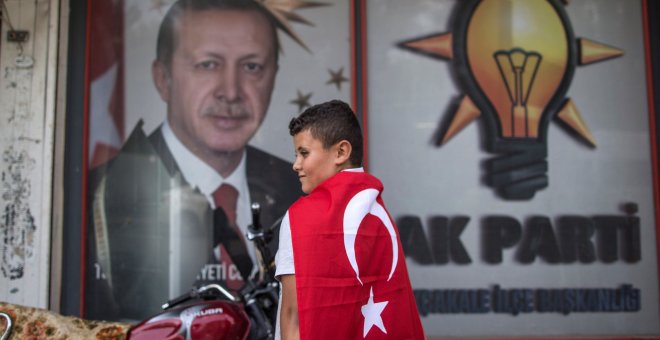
220,80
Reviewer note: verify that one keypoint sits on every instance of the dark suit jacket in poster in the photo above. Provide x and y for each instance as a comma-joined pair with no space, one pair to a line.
133,201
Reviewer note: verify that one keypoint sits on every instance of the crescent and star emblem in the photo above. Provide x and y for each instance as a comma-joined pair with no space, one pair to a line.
363,203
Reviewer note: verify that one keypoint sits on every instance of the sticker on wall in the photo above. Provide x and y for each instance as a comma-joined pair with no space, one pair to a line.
17,226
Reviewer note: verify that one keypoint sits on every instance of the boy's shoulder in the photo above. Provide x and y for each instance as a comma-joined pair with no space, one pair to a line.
316,198
342,184
349,180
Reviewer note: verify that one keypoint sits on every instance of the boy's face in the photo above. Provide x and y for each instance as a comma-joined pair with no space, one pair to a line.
314,163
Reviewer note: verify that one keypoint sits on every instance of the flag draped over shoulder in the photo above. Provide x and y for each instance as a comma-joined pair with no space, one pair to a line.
351,276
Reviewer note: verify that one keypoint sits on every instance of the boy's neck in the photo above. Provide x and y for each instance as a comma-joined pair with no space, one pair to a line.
346,167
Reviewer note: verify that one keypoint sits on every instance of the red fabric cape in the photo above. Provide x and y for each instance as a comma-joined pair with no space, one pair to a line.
334,284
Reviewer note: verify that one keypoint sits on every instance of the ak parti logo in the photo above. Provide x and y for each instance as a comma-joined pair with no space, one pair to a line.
514,60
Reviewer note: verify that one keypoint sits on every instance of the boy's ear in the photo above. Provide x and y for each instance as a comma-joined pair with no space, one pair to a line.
343,149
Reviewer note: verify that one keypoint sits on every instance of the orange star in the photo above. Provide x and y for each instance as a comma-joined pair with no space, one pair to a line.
283,13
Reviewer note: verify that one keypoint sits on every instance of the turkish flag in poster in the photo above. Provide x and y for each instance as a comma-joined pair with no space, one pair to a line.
351,276
106,74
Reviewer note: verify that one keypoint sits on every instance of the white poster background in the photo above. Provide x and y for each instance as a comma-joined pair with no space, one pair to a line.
409,94
299,70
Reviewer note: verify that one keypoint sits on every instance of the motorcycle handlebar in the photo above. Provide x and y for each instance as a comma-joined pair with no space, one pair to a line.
179,299
206,291
202,291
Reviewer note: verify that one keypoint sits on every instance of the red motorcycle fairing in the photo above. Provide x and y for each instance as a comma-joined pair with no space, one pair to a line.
197,321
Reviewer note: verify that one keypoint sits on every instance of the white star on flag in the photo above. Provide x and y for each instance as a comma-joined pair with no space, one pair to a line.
102,127
371,312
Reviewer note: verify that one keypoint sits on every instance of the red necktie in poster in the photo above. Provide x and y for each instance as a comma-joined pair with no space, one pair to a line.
232,252
351,276
225,197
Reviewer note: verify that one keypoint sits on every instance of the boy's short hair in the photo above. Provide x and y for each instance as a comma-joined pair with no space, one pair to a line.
331,122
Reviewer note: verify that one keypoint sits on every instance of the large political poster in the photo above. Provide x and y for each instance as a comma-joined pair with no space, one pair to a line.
514,142
229,76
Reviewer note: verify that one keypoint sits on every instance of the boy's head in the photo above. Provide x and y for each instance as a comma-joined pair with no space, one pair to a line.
327,139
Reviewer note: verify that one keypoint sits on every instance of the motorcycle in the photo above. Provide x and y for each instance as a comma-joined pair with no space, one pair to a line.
214,312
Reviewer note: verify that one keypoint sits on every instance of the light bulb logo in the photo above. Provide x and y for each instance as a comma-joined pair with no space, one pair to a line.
518,69
515,60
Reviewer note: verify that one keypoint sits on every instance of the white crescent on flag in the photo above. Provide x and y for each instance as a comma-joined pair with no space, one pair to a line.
363,203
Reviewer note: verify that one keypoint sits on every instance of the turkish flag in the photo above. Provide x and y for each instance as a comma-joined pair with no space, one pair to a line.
106,74
351,275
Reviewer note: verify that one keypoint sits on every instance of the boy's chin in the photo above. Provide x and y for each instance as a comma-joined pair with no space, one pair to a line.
307,189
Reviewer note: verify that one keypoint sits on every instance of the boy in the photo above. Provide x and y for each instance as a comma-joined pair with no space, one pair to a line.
348,278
